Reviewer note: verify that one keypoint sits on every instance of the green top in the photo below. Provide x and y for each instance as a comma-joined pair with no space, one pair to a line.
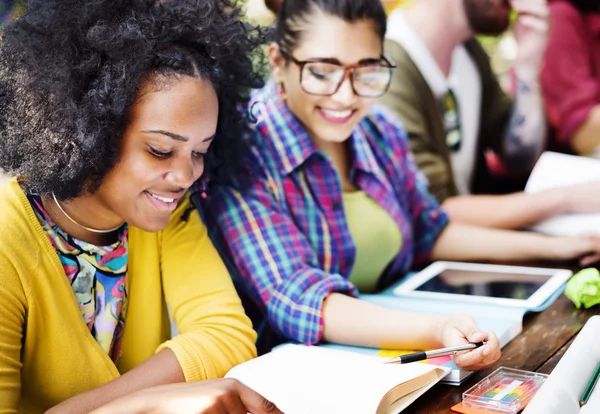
377,238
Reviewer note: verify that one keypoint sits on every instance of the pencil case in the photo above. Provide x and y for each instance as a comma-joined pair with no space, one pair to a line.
506,390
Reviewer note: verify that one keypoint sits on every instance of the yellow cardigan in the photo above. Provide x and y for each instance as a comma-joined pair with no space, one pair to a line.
47,353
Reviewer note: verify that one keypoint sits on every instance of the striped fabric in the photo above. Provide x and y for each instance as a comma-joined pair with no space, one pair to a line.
284,234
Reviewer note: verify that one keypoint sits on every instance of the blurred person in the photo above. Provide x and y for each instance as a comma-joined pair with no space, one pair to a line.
99,241
571,76
459,120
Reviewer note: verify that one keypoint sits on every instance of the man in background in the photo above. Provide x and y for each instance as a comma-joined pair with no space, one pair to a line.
459,120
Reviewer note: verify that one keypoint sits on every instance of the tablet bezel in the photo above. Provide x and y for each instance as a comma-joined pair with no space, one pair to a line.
557,278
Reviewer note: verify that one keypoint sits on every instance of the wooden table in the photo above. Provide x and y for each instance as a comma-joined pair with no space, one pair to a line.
545,338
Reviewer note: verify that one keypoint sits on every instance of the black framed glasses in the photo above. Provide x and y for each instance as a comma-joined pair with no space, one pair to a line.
323,76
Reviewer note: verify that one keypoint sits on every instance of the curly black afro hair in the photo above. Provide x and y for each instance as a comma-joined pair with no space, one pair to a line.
70,71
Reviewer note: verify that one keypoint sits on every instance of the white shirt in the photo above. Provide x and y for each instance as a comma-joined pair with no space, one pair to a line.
465,82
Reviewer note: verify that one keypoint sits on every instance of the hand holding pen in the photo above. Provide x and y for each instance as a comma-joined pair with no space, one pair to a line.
420,356
462,329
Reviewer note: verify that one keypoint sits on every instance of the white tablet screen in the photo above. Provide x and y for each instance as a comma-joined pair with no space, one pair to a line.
491,284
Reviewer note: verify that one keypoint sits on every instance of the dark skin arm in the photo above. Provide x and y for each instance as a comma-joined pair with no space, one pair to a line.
202,397
159,369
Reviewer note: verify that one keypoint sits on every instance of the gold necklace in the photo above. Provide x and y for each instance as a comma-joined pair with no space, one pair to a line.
81,225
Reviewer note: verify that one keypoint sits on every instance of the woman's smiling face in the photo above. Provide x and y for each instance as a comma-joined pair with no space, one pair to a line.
162,151
328,118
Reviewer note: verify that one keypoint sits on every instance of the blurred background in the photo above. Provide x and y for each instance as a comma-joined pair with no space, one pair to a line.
502,50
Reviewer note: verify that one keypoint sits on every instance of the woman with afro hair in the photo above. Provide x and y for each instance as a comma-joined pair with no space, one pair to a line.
109,112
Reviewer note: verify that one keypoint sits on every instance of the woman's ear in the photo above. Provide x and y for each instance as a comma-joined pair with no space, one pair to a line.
276,62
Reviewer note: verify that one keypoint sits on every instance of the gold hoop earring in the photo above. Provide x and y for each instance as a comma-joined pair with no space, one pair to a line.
282,93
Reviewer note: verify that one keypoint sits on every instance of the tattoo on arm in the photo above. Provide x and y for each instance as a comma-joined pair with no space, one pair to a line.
525,133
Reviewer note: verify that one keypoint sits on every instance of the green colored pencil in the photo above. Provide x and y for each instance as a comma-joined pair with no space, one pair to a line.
590,387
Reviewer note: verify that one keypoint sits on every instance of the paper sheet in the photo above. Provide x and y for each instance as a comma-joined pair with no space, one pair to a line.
561,392
302,379
558,170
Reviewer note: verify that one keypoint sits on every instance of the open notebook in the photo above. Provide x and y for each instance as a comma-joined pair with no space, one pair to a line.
557,170
308,379
454,377
562,390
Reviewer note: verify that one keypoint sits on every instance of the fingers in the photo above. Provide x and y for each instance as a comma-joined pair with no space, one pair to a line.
480,357
592,249
534,23
532,13
467,329
535,8
477,336
589,259
464,329
254,402
585,248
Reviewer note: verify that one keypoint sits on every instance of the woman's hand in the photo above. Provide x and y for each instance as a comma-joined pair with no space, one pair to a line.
220,396
585,248
460,329
531,34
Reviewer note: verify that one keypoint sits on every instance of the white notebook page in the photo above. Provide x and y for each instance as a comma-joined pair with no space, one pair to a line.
301,379
561,392
558,170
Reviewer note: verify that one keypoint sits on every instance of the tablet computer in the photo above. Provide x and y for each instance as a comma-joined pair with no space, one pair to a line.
526,287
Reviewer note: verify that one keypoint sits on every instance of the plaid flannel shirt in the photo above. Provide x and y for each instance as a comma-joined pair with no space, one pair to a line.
285,236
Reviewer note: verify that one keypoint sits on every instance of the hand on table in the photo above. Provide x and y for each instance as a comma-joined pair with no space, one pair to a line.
219,396
585,248
460,329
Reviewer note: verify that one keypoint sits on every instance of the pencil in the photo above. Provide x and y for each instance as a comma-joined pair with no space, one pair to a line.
590,387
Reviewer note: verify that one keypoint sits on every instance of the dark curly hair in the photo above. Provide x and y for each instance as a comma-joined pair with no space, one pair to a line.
70,71
293,15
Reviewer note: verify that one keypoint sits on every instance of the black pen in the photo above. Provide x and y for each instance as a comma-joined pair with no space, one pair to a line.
419,356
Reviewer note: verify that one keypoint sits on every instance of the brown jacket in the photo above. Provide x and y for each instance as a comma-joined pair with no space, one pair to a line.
411,98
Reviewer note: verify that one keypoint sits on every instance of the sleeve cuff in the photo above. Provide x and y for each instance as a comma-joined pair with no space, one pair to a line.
302,320
424,255
186,356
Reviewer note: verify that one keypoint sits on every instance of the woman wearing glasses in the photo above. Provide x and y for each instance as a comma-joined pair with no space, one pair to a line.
335,205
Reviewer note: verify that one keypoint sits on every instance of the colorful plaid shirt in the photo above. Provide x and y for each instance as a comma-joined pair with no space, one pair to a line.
285,235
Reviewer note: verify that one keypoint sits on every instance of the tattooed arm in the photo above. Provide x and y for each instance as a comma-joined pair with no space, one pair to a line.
526,131
524,139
